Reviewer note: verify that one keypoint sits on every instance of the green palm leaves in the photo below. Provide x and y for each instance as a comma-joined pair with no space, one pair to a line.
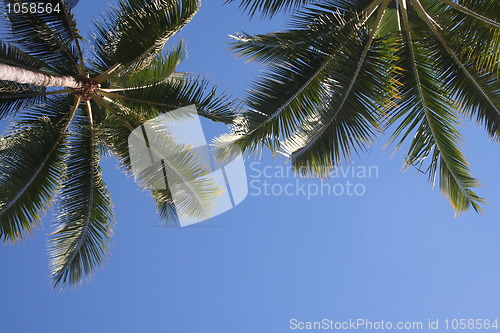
81,239
134,33
31,165
52,39
51,151
345,72
350,70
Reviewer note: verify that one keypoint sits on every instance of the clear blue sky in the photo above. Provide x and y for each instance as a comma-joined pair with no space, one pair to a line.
395,254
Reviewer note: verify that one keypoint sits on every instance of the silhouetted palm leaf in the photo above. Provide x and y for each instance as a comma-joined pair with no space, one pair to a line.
270,7
50,37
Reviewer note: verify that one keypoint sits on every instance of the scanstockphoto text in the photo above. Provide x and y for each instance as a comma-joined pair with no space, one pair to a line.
363,324
349,180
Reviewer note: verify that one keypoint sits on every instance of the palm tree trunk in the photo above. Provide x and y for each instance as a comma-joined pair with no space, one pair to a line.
21,75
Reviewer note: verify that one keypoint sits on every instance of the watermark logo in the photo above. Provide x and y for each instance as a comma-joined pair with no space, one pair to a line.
279,180
170,155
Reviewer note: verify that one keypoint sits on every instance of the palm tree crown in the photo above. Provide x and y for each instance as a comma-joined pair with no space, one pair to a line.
349,70
53,146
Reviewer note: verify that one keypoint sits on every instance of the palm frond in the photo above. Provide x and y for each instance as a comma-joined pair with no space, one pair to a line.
51,37
187,174
472,29
81,242
160,69
269,8
295,90
356,111
134,33
361,91
177,168
272,47
116,131
15,97
31,165
476,91
429,119
14,56
175,92
310,28
166,207
477,95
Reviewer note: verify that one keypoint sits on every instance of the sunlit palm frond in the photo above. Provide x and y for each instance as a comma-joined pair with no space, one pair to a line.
291,92
132,34
178,169
477,95
187,173
269,8
81,240
475,90
429,116
472,28
175,92
356,111
160,69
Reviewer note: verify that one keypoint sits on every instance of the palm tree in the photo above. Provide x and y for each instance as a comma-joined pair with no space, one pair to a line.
348,70
66,113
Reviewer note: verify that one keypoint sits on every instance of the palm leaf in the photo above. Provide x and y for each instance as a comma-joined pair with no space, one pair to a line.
356,111
115,132
178,169
429,119
472,28
31,165
134,33
295,90
173,93
160,69
165,207
357,104
269,8
80,242
195,191
14,56
476,91
51,37
15,97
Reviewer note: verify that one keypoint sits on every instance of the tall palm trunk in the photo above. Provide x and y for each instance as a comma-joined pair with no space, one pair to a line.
21,75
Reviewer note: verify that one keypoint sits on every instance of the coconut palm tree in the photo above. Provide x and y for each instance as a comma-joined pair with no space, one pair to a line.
68,106
348,70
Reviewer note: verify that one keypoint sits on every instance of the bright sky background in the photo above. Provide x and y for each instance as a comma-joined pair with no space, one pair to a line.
395,254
